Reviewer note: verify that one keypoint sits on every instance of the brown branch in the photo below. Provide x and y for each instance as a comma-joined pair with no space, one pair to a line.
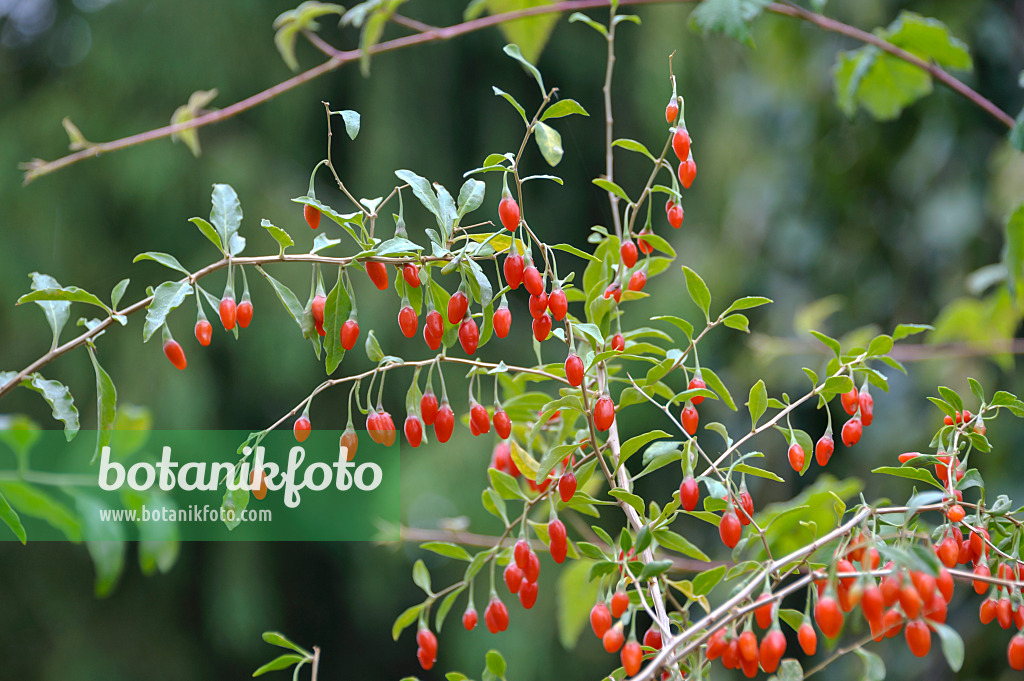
37,167
412,23
94,332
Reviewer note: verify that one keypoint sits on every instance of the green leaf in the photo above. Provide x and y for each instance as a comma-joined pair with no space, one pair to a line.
70,294
446,605
626,497
421,190
105,542
676,542
471,196
633,445
373,16
929,39
512,100
837,384
208,231
479,284
952,645
707,580
397,245
790,670
874,668
337,308
568,248
322,241
910,473
276,638
57,312
612,188
731,17
277,664
197,102
760,472
746,303
831,343
884,84
1013,250
164,259
880,83
29,500
159,542
904,330
352,122
757,402
698,291
738,322
575,595
282,237
373,350
880,345
234,500
513,51
549,142
167,297
404,620
286,296
633,145
504,484
530,33
581,17
495,663
1017,132
226,216
11,519
448,549
421,576
106,405
654,569
565,107
59,398
118,292
715,384
291,24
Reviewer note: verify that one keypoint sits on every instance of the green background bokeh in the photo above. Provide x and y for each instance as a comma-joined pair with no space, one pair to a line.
792,201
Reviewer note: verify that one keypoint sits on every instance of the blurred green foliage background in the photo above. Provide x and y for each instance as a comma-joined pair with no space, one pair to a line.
793,201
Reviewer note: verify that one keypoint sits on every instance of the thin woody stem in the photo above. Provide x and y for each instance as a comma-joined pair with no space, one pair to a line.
143,304
338,58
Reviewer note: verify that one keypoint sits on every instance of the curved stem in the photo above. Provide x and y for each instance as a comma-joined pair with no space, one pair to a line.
140,305
37,167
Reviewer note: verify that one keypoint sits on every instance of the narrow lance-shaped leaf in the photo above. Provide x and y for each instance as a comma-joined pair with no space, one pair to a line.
105,541
226,214
11,519
59,398
167,297
106,405
57,312
336,312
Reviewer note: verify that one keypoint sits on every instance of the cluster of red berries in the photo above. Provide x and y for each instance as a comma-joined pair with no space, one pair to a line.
231,314
903,597
544,307
743,652
861,406
613,638
427,650
522,573
1008,611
